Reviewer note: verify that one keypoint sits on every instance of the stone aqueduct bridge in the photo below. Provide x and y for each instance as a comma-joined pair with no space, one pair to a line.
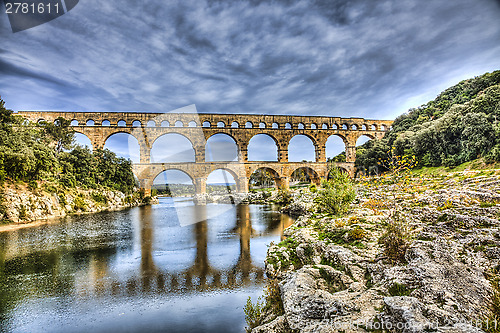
198,128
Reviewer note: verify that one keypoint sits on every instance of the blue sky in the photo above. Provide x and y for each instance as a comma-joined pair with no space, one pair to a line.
357,58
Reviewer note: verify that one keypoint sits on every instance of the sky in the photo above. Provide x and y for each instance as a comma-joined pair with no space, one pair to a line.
356,58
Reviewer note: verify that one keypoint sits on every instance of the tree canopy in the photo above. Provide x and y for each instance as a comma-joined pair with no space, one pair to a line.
460,125
46,151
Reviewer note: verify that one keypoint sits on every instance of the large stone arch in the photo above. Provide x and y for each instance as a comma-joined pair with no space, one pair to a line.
86,136
238,179
310,172
251,152
331,147
158,173
292,153
119,150
222,152
275,174
181,150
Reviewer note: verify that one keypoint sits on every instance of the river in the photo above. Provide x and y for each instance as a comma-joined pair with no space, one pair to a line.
171,267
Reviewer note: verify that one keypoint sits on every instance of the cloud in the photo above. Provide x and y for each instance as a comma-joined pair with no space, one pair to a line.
359,58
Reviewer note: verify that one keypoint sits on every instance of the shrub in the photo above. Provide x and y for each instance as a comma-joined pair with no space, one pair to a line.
284,197
79,204
99,197
396,239
357,234
336,194
253,313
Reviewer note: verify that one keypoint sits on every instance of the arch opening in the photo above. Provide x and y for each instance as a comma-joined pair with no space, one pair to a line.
300,126
151,123
288,126
83,140
206,124
303,176
165,123
74,122
362,140
262,147
221,124
314,126
275,125
106,122
324,126
221,147
90,122
192,123
172,148
124,145
221,180
263,178
179,123
301,149
235,124
121,123
335,149
136,123
262,125
248,124
173,183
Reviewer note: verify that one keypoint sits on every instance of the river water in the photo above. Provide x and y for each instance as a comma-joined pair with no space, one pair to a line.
171,267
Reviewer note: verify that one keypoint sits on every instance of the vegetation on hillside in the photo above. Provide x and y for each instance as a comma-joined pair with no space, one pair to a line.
45,151
460,125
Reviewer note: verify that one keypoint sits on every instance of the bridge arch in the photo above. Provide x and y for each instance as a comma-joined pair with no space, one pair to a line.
224,177
106,122
165,123
121,123
263,147
172,148
175,181
235,124
83,140
221,147
123,144
304,174
151,123
301,147
264,177
90,122
335,144
74,122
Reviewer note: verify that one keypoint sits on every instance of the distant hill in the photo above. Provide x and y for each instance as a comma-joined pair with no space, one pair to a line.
460,125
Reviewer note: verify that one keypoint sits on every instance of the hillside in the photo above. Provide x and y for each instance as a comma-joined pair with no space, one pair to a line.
460,125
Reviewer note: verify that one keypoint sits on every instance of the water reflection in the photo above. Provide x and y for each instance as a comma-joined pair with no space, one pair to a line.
141,254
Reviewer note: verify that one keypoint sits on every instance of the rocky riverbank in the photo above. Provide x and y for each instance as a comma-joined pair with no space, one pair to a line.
22,206
412,255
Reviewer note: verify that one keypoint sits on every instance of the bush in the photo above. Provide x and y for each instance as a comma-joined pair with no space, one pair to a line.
336,194
253,313
284,197
99,198
79,204
396,239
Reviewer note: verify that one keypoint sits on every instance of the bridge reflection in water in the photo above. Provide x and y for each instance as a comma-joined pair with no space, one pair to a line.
113,263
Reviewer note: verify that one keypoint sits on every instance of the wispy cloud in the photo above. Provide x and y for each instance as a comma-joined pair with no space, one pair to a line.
348,58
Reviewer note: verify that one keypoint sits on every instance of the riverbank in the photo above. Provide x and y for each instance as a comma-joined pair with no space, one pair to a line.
412,255
22,206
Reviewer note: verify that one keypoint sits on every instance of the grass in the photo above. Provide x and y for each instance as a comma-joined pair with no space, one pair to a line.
398,289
